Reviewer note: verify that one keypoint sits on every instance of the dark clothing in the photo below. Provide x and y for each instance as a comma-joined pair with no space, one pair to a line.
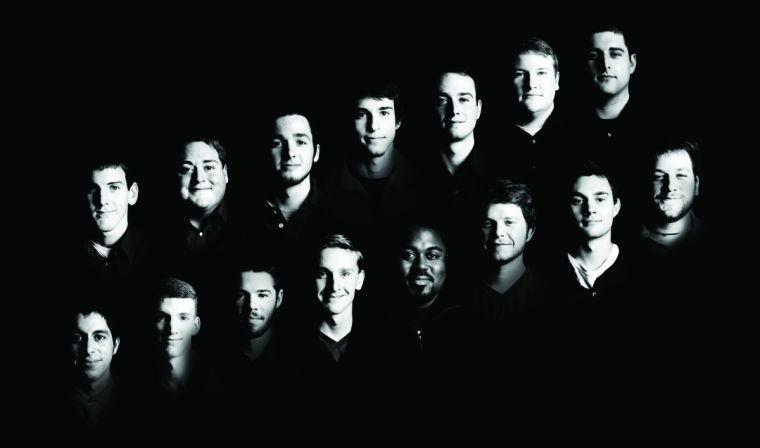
128,261
389,197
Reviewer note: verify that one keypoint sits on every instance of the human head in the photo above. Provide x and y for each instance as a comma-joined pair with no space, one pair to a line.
458,106
422,262
293,146
110,192
675,180
94,342
611,60
594,203
535,76
203,174
376,112
339,274
259,296
177,319
509,221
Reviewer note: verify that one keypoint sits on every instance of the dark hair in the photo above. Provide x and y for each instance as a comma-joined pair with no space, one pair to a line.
689,146
212,142
459,71
601,28
379,90
258,266
175,288
91,305
538,46
591,168
338,241
504,191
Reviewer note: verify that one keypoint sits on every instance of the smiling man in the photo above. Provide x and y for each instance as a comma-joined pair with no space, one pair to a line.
116,249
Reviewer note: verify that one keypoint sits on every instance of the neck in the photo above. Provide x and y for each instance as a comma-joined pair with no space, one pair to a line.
612,106
506,275
337,326
593,253
292,197
455,153
673,230
198,216
180,368
532,123
108,239
257,346
376,167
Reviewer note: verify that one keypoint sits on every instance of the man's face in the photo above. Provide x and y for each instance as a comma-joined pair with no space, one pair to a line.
593,207
177,322
458,108
505,232
109,197
423,266
535,82
338,279
293,149
610,63
203,179
93,346
257,301
375,124
674,185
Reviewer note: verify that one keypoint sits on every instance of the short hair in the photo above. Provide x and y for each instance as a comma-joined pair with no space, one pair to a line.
463,71
689,146
538,46
90,305
601,28
212,142
101,162
301,107
259,266
592,168
175,288
338,241
379,90
504,191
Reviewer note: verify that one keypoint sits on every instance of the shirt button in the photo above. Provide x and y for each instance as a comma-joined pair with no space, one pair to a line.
593,293
609,134
200,233
281,225
533,141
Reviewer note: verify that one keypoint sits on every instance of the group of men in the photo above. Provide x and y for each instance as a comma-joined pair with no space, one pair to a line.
441,259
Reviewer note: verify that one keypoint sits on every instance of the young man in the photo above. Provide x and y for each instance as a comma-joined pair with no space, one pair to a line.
671,223
116,249
94,343
375,170
259,297
176,323
509,222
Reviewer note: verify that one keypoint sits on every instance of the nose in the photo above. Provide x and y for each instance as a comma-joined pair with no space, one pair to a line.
372,125
97,197
501,229
90,346
669,184
531,81
199,175
287,151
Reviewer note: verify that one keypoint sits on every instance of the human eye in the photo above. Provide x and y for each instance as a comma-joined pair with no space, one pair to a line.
433,256
442,100
100,337
76,338
210,167
276,143
464,99
408,255
185,169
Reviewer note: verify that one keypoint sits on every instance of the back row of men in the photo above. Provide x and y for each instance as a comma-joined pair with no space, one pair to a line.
443,241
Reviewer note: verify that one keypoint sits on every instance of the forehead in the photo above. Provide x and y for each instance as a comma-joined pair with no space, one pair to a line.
251,280
374,103
177,305
199,151
424,238
456,84
292,124
502,211
527,61
91,322
336,258
607,39
108,175
590,185
674,160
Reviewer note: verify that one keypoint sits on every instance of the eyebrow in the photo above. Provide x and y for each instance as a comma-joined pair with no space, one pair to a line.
302,135
116,182
103,332
601,193
465,94
618,49
386,108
